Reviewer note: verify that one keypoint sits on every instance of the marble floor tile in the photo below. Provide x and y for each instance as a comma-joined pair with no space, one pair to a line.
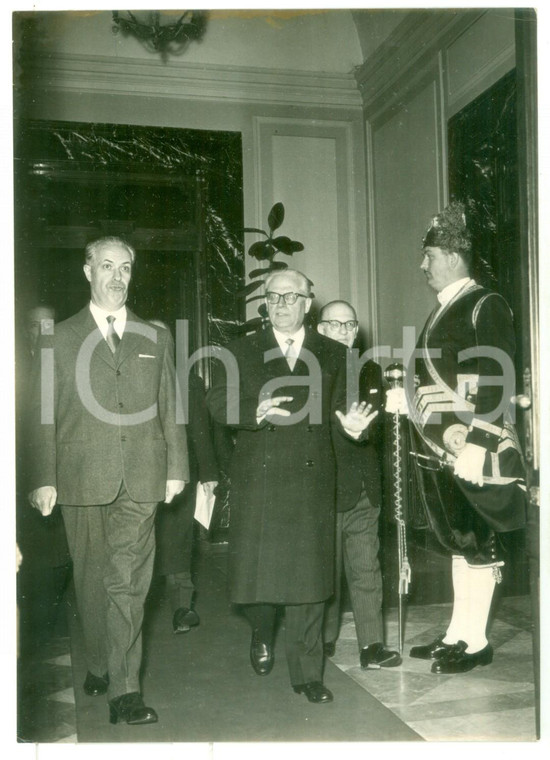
506,726
492,703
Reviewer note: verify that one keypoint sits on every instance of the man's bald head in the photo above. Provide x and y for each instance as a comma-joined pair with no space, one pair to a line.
338,320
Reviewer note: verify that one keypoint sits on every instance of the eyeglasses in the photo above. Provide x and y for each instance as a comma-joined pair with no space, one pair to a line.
289,298
335,324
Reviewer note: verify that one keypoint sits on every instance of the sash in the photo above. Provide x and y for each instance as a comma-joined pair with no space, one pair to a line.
442,416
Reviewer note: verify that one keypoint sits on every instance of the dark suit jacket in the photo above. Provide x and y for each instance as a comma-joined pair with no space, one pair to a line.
281,532
114,415
358,462
203,464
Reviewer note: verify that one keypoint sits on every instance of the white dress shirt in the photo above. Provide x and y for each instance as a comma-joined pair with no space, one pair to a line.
100,316
445,295
298,339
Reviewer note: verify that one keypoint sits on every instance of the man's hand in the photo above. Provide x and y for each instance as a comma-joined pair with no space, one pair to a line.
469,464
43,499
173,488
357,420
271,407
209,487
396,401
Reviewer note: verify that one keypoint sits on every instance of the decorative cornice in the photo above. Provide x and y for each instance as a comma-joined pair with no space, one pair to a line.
107,75
419,36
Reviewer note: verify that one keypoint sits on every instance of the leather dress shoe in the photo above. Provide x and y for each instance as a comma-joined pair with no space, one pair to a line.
315,691
329,647
261,656
457,660
432,651
129,708
375,656
95,686
184,619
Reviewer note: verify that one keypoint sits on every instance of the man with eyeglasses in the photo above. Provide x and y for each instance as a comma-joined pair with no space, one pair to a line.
292,396
358,499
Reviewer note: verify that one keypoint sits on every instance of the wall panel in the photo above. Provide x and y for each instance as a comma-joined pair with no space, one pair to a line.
406,157
316,168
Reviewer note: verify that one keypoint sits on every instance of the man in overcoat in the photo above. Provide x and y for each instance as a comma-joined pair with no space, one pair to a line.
358,503
469,463
106,446
290,391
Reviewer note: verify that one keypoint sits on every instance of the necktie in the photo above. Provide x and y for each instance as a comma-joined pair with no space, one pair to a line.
112,337
290,354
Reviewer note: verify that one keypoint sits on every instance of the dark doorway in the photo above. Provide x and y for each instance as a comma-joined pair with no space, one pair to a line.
483,166
176,195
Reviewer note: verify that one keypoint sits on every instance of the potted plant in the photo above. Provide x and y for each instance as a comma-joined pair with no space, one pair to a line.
265,251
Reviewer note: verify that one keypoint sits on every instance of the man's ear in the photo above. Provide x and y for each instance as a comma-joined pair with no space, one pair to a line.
309,301
455,259
88,272
320,329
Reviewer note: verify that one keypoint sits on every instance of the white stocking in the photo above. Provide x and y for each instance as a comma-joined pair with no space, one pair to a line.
459,621
481,585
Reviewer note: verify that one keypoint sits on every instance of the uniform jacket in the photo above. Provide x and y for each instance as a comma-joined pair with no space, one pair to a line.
113,416
471,347
358,462
282,492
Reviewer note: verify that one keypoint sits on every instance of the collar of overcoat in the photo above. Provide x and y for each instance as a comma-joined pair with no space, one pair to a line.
84,324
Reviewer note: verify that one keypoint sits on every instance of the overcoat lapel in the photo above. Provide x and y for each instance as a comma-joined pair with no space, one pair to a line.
275,367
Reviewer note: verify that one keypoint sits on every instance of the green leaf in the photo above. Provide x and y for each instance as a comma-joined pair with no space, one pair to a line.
261,250
250,288
276,216
286,245
292,247
258,272
255,229
275,265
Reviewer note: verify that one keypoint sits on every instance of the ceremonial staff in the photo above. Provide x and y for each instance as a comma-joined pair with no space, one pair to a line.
395,375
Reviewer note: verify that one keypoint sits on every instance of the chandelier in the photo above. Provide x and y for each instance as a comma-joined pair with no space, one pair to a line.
170,38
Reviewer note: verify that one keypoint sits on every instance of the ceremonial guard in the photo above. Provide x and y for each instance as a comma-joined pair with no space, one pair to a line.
468,458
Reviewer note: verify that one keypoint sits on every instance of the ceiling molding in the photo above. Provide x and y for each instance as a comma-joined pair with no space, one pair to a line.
418,37
107,75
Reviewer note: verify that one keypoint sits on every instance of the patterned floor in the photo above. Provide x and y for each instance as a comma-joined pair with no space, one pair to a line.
494,703
46,695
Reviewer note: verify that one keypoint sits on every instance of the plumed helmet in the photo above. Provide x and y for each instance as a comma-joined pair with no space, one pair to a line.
449,230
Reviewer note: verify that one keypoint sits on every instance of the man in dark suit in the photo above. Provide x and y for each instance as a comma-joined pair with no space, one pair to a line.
290,393
106,446
175,522
358,498
46,563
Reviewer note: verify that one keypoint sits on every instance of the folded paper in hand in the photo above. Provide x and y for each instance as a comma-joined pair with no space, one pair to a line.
204,506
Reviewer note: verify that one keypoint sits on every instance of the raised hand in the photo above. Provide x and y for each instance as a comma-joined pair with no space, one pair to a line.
270,407
358,418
